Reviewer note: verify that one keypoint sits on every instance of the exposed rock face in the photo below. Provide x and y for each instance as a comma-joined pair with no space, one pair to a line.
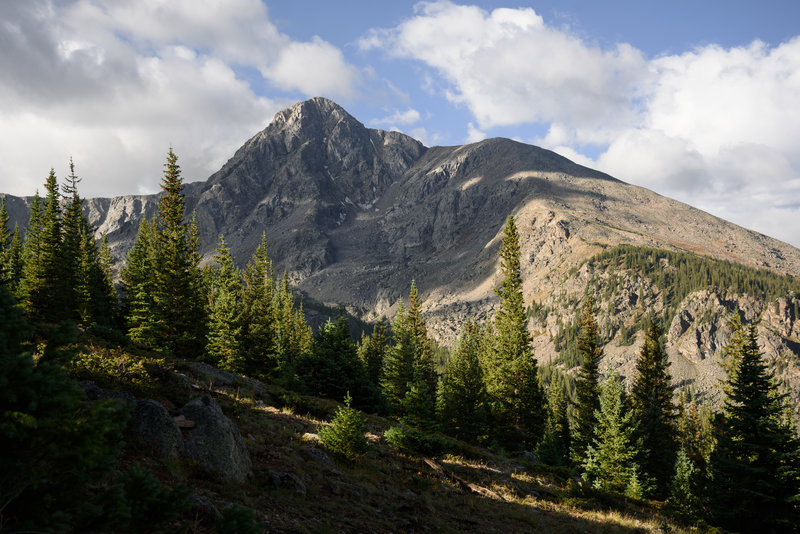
215,442
156,429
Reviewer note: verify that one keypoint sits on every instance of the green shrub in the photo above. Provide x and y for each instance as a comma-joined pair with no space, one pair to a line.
345,436
412,441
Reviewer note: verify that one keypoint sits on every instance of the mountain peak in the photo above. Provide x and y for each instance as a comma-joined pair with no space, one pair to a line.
314,114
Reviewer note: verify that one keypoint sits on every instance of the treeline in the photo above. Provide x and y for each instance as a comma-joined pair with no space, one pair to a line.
739,468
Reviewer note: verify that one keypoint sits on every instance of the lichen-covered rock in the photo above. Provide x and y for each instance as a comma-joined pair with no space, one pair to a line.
215,443
155,428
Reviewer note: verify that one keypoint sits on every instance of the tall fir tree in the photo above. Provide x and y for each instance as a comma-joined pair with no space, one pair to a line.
408,369
512,380
6,248
224,346
42,288
11,268
293,337
372,351
554,448
462,403
610,460
756,463
74,268
258,314
587,383
655,414
138,286
179,303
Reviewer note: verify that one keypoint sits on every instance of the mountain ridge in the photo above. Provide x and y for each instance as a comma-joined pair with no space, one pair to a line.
354,214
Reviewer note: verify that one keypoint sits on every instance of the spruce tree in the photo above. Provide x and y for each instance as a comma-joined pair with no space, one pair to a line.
258,314
586,384
683,502
333,368
42,288
293,337
654,412
74,266
555,445
512,381
345,435
12,262
372,350
180,306
408,366
462,403
756,464
138,286
224,321
610,460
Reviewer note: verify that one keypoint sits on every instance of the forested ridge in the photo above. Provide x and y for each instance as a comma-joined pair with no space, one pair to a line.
609,446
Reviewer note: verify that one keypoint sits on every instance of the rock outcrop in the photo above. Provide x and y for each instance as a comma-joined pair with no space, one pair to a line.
215,442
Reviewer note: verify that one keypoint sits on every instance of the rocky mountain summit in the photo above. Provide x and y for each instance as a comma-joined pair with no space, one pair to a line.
354,214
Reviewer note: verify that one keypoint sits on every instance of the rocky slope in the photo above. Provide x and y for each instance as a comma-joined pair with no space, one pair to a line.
354,214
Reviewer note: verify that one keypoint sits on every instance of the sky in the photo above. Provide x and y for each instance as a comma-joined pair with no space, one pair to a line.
699,101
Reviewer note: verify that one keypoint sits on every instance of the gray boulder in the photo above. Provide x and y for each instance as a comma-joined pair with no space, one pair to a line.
156,429
215,442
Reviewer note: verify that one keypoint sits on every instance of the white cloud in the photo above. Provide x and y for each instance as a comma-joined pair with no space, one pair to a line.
718,128
405,118
474,134
508,67
114,84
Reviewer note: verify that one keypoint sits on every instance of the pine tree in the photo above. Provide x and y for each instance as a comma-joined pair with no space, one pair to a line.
345,436
42,287
293,337
512,381
408,366
462,403
555,445
333,368
138,286
179,305
372,351
756,464
12,262
655,414
609,462
224,321
7,249
586,385
258,314
683,502
74,266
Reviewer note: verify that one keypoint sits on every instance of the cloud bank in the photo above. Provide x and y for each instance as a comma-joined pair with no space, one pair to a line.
115,84
719,128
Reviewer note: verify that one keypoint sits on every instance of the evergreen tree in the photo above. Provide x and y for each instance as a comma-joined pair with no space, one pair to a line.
654,412
555,445
180,306
293,337
756,464
10,251
683,502
372,351
42,287
345,436
512,381
408,366
258,314
11,268
224,322
56,447
586,385
138,286
609,462
74,265
462,403
333,368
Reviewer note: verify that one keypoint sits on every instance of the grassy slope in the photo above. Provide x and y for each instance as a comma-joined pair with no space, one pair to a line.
384,491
